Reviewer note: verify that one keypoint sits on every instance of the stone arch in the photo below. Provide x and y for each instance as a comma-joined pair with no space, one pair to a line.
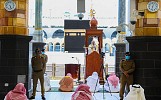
58,34
44,34
50,46
107,47
62,47
57,47
113,35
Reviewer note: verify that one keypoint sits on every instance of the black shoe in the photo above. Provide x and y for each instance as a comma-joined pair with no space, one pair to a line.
32,97
43,98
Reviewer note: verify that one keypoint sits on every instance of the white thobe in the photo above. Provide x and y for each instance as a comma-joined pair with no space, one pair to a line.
91,82
135,93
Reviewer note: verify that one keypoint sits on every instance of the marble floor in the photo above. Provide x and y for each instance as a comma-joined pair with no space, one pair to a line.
67,95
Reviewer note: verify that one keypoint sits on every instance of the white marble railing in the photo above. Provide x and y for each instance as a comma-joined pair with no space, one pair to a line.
58,70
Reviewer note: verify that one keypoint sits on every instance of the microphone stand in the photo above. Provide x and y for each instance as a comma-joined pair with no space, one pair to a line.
78,81
102,68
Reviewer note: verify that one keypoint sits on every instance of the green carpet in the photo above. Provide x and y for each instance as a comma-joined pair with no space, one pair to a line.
56,89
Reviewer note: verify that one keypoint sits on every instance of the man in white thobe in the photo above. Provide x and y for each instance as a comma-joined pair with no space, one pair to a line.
93,82
136,93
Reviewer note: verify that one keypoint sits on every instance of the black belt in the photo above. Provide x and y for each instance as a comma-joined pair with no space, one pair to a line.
37,70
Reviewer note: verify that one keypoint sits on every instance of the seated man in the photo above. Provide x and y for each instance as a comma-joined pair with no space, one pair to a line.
93,82
18,93
136,93
112,83
66,83
82,93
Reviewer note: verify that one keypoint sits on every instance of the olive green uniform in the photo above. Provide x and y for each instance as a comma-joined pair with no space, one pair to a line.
38,65
129,66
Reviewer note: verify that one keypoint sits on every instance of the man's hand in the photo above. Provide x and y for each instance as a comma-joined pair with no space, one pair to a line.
126,74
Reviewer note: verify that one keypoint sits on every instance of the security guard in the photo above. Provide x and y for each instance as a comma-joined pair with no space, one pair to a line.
38,65
127,67
45,58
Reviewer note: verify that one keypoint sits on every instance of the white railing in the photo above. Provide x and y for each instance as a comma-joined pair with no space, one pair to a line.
58,70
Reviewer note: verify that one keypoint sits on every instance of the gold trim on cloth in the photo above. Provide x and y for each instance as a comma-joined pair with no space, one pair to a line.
74,30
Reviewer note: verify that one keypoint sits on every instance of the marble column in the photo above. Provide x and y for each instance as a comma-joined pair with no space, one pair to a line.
37,35
122,13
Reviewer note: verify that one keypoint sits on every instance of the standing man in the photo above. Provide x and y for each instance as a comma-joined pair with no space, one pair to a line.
45,58
38,67
127,67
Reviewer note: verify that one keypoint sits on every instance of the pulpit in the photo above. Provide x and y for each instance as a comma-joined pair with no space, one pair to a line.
74,69
94,60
